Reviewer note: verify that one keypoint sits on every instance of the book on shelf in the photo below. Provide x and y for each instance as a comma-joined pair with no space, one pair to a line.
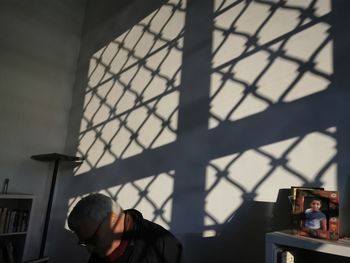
13,220
7,253
3,211
287,257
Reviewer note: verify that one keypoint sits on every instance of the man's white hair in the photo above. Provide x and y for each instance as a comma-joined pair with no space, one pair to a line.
93,208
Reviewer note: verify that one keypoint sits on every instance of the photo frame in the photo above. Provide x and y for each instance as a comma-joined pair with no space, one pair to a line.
316,213
294,190
296,216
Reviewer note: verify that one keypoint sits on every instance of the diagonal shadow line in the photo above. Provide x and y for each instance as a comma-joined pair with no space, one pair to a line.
151,111
219,178
144,190
86,160
324,169
86,153
95,138
296,80
219,12
141,126
287,6
102,102
272,58
168,199
149,200
126,90
291,86
131,110
107,66
132,132
274,167
134,92
310,60
87,103
118,191
107,172
119,49
97,61
314,55
298,61
161,215
157,35
131,50
274,41
228,76
266,68
143,60
255,35
155,73
163,127
232,26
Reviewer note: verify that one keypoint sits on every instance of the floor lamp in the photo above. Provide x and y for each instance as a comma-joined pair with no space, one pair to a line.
56,158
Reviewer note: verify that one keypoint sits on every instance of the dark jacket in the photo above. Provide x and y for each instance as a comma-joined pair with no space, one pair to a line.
148,243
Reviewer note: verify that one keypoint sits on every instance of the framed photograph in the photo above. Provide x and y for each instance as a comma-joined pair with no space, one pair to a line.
296,215
294,190
317,213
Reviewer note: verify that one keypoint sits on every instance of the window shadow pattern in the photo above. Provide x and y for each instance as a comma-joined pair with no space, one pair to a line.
144,195
266,54
248,175
137,74
131,106
258,64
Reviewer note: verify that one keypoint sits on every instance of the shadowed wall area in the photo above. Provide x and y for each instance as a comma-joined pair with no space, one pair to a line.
39,48
197,113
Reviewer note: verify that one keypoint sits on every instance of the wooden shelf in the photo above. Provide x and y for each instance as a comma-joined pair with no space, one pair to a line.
12,234
16,196
275,240
15,215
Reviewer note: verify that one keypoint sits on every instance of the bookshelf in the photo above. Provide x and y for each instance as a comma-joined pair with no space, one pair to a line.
275,242
15,212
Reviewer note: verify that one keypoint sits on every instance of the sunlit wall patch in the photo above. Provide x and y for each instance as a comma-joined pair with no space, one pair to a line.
258,174
132,96
152,196
267,52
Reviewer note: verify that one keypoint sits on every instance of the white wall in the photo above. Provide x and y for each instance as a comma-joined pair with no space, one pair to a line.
39,45
198,113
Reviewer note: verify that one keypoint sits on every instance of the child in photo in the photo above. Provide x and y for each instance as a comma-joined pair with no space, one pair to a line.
314,218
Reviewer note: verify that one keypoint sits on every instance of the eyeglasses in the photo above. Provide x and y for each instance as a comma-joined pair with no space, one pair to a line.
91,240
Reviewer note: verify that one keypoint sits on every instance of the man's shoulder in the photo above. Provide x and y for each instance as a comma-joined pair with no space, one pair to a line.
144,223
155,228
148,228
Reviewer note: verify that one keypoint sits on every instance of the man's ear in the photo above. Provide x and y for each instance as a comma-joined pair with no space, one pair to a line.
113,219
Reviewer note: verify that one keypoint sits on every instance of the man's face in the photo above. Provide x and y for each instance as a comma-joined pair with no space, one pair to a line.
97,238
316,205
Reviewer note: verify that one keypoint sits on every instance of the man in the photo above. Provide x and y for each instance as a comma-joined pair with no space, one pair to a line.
116,236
